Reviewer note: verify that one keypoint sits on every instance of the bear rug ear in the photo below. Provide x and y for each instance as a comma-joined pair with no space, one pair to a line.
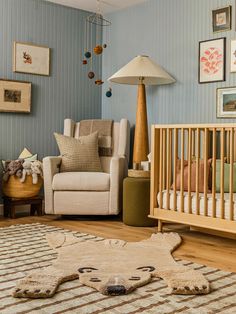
55,239
58,239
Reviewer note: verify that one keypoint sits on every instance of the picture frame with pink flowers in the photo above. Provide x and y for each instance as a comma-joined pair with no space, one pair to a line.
212,60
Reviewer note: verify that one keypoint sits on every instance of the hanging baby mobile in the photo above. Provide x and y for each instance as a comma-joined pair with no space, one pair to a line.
96,41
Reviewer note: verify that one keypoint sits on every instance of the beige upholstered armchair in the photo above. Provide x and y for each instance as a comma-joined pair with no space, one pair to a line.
88,193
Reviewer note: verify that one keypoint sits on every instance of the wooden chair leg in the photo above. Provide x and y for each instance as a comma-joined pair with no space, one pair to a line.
12,212
160,225
33,209
6,210
39,209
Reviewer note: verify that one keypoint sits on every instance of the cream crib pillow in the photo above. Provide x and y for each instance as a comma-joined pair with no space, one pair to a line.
79,154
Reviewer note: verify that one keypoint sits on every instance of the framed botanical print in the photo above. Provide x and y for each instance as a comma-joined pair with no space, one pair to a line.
226,102
233,56
29,58
221,19
15,96
211,61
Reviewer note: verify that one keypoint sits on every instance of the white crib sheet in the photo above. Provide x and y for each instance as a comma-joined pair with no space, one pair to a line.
201,197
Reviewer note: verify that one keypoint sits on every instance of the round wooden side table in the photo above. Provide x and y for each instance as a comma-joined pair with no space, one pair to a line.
136,202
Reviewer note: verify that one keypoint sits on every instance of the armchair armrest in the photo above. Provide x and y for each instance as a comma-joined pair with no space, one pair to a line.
50,168
118,171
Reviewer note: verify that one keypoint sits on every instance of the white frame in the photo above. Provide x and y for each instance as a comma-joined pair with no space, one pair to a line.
40,56
220,92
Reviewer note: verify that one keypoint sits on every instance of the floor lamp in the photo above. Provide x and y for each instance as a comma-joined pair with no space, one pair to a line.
141,71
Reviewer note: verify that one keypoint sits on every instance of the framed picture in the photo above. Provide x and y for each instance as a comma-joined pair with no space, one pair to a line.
221,19
212,59
226,102
29,58
15,96
233,56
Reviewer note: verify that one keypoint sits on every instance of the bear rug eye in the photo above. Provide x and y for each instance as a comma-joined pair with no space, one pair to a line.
86,269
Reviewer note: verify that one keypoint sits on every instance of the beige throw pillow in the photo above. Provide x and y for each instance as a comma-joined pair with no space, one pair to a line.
79,154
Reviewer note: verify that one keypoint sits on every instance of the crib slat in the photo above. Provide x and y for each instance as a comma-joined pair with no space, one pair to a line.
197,171
222,150
214,174
189,170
231,179
175,164
193,144
206,135
168,171
228,146
161,170
182,172
164,159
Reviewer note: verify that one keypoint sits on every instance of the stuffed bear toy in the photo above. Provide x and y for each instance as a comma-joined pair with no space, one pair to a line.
37,170
26,170
13,167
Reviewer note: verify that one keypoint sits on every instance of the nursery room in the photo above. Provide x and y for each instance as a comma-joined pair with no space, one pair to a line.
117,156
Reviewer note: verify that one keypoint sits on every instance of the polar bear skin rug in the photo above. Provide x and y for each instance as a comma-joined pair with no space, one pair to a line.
112,267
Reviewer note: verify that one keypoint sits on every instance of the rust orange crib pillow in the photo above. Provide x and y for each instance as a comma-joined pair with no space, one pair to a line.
193,175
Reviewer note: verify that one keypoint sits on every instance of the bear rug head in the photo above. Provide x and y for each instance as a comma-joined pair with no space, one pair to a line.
112,267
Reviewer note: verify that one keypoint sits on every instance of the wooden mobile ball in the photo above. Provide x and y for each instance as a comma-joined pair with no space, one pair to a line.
98,50
99,82
91,75
109,93
104,45
87,54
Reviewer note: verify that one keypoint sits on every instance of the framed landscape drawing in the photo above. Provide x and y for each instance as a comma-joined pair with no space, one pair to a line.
233,56
226,102
15,96
211,61
29,58
221,19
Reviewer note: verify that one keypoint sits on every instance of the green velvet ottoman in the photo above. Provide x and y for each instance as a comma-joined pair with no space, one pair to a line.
136,202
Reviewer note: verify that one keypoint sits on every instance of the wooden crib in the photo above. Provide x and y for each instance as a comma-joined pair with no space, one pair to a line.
203,153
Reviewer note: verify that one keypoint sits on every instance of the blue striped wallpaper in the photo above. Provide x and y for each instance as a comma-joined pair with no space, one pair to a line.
66,93
169,31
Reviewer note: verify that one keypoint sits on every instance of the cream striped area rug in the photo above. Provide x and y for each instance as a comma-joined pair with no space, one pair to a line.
23,248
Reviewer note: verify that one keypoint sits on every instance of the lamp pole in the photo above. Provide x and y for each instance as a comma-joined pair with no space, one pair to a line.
141,145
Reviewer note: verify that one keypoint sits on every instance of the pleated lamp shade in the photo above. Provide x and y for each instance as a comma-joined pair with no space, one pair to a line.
142,67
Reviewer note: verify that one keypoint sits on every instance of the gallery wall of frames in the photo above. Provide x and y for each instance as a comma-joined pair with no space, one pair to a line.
212,62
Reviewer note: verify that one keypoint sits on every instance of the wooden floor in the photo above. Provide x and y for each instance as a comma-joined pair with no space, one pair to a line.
198,247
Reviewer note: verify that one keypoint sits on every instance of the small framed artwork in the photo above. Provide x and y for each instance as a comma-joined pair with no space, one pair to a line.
233,56
226,102
29,58
15,96
211,63
221,19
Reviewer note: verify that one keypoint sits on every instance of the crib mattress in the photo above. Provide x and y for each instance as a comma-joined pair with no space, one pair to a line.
194,202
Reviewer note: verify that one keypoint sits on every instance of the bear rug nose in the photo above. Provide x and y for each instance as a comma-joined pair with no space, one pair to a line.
116,290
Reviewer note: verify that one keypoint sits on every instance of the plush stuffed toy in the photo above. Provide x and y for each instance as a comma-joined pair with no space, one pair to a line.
26,170
13,167
37,170
112,267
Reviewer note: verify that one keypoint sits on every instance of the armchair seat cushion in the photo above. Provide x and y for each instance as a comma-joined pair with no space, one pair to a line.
81,181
